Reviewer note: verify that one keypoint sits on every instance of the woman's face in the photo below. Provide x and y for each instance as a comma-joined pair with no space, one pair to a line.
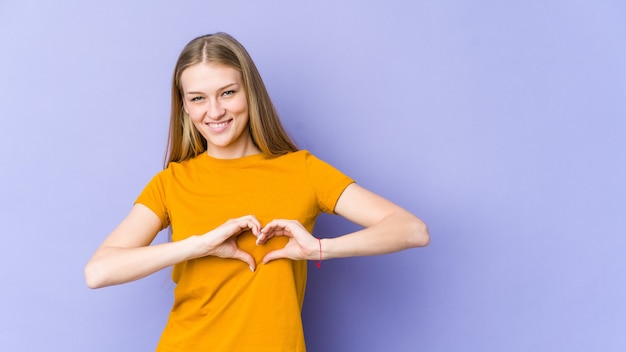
214,97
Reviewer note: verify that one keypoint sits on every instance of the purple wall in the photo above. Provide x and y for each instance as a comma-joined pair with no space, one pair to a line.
502,126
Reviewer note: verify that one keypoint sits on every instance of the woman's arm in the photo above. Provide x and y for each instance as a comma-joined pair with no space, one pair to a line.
387,228
126,255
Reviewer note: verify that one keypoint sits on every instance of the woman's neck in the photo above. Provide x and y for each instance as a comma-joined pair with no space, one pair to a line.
247,147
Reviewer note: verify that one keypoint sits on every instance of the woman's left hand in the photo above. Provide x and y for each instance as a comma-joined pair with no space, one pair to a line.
301,245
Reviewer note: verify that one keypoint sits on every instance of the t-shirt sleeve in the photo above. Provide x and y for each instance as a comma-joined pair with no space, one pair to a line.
328,183
153,197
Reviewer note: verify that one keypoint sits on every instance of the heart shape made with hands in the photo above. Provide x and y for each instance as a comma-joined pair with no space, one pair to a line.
278,239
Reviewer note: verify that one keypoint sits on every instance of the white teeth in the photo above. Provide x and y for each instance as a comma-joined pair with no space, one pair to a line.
217,125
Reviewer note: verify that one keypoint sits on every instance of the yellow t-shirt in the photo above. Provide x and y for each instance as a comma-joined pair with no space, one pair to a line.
219,304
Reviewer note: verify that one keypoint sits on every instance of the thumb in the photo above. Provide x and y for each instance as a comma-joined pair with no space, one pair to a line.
246,258
273,255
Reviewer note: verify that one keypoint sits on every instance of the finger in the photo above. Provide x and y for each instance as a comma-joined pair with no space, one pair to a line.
268,233
253,224
288,226
278,227
276,254
276,223
244,223
246,258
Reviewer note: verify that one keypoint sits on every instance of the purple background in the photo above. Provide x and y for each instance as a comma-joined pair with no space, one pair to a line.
503,126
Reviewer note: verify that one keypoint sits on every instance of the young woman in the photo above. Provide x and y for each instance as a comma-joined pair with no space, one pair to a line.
241,201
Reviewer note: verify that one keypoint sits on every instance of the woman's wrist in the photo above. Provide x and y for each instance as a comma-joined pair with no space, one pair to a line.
318,259
197,246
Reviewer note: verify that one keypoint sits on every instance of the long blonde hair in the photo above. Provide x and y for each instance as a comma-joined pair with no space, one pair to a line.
184,140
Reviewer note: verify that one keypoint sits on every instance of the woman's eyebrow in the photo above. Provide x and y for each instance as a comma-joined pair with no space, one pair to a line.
217,90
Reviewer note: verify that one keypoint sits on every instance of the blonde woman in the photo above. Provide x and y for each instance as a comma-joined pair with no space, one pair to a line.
241,201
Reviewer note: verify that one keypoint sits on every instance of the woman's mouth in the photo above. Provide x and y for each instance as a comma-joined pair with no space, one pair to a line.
219,126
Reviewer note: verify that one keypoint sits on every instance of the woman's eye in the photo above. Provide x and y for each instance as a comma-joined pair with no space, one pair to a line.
228,92
196,98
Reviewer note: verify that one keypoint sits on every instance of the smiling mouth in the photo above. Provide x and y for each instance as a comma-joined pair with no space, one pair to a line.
219,125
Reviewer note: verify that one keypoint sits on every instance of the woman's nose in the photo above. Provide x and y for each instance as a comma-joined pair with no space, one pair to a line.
215,110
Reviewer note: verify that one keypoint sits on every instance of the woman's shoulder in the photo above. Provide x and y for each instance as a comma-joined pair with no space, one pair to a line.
302,153
300,157
303,159
173,166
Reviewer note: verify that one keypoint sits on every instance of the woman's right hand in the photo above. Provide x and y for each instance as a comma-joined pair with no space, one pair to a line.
222,241
127,255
